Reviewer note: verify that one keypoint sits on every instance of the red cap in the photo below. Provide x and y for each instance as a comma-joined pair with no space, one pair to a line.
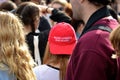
62,39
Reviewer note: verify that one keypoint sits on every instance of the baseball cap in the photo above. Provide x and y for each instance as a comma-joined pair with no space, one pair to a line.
62,39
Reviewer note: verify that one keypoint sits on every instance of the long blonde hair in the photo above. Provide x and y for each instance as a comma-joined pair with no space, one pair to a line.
13,49
115,40
56,59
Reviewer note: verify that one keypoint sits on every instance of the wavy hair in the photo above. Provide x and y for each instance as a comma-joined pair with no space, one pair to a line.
115,40
13,49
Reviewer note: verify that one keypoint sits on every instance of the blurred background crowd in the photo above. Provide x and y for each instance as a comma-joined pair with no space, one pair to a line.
41,21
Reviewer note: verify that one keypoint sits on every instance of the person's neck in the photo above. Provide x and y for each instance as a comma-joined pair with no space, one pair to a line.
27,29
89,11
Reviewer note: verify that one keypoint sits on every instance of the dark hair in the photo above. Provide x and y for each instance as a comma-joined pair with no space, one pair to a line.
8,6
28,15
48,1
100,2
21,7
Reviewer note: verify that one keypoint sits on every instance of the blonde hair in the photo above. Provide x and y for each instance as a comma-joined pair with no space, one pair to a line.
64,3
115,40
13,49
56,59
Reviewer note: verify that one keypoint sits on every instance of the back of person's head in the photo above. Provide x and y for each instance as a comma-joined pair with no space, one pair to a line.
61,42
13,49
62,39
8,6
100,2
21,7
29,15
115,40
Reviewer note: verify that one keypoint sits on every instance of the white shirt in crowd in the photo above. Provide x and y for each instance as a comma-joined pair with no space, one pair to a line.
46,72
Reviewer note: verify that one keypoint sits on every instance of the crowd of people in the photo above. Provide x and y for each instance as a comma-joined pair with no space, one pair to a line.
59,40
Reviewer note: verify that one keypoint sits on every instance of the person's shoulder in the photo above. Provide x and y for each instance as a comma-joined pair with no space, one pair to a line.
95,36
5,73
44,68
43,18
91,35
100,33
108,21
40,68
93,40
44,34
42,71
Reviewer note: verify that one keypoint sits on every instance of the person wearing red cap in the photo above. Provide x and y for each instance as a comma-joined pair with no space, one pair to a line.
61,42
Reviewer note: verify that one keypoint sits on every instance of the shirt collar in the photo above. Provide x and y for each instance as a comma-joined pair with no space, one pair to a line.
101,13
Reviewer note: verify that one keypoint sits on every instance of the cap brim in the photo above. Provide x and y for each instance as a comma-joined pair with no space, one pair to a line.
58,49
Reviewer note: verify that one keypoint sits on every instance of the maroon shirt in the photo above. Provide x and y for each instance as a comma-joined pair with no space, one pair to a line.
91,59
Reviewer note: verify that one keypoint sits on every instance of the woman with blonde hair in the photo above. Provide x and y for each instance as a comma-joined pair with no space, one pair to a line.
61,42
15,60
115,40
